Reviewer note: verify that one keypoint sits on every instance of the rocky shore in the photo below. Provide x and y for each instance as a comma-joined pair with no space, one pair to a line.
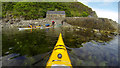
91,23
99,24
11,22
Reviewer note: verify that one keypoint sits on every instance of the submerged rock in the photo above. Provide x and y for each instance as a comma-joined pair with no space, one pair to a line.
7,53
100,41
94,42
10,48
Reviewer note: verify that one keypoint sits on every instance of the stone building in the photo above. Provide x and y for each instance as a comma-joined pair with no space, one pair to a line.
55,14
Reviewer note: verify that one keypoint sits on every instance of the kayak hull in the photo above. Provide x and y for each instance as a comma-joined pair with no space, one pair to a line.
29,28
24,28
59,56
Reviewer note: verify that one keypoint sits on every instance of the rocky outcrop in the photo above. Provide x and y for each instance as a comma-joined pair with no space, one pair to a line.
93,14
93,23
113,23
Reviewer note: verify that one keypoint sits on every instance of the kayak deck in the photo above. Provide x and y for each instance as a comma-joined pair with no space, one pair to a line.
59,56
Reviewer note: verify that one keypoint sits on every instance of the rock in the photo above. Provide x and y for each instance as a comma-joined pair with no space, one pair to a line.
95,30
36,22
99,34
77,29
100,41
93,42
93,14
10,48
7,52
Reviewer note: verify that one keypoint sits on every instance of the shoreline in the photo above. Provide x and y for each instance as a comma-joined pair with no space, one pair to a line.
68,22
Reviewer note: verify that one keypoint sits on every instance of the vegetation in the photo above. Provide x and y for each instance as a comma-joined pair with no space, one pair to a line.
35,10
30,47
91,23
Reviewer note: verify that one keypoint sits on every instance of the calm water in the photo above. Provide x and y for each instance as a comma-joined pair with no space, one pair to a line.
26,48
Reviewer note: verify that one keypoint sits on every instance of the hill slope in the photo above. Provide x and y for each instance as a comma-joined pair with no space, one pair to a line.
35,10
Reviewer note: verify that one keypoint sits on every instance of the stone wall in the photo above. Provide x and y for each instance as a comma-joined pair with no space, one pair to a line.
24,23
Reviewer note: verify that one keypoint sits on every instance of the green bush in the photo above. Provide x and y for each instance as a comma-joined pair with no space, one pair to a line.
84,14
35,10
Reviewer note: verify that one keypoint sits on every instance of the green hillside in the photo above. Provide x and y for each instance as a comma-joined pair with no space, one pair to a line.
35,10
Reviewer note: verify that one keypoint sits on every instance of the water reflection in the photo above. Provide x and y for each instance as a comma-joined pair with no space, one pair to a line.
84,46
95,55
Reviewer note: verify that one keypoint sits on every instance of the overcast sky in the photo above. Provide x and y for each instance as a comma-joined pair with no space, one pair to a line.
104,8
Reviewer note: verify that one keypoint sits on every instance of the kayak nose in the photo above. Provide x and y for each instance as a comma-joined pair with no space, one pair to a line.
60,40
59,57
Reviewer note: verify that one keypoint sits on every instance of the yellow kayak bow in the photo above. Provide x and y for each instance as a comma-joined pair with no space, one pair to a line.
59,56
